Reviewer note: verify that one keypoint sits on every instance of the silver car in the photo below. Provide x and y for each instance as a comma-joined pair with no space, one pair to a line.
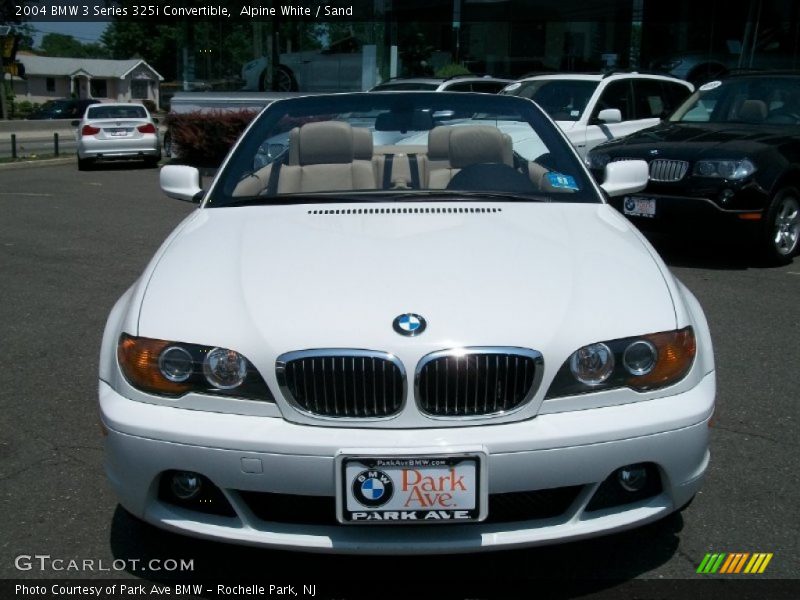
117,131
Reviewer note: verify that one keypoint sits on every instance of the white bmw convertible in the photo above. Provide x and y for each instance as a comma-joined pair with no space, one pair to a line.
361,345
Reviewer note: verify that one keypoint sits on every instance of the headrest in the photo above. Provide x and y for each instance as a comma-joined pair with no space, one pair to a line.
439,143
327,142
362,143
404,121
477,144
753,111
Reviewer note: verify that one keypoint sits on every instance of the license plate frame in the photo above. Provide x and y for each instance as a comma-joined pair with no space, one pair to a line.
436,488
639,206
119,131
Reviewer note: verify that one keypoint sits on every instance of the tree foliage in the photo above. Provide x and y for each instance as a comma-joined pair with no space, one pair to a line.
59,44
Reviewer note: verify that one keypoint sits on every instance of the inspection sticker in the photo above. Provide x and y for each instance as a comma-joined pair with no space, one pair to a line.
565,182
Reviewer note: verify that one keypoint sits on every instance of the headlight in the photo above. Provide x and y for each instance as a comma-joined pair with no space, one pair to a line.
724,169
641,363
175,368
592,365
597,160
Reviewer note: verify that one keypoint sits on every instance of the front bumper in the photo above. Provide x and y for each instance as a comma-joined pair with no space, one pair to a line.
579,448
687,210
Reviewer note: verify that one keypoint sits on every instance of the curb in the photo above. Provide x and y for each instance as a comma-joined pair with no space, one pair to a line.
45,162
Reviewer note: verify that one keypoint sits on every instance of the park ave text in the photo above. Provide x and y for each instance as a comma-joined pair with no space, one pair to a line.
153,590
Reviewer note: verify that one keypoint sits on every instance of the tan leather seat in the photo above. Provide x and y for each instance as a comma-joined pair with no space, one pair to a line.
451,148
753,111
324,156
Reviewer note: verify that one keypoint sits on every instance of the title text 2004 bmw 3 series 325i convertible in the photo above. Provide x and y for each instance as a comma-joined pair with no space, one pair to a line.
403,323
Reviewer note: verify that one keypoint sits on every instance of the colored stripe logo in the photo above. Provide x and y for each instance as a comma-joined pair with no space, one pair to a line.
731,563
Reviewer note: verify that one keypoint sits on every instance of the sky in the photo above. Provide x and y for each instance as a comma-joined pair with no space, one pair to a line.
85,32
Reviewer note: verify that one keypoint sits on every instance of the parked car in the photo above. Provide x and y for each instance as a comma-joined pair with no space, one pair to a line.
63,108
730,155
401,335
333,69
458,83
117,131
700,67
592,109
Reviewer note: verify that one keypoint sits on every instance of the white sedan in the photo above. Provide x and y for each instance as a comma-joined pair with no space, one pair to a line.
458,339
117,131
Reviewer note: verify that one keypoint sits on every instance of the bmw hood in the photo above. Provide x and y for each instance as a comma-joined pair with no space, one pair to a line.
265,280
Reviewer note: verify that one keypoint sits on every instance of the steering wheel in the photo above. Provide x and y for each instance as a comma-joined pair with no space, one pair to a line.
783,117
494,177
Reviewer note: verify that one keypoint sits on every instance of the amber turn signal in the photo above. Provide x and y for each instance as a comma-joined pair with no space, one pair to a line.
676,351
138,358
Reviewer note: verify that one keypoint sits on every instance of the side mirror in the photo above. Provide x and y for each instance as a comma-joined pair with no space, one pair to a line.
625,177
155,120
181,182
75,123
610,115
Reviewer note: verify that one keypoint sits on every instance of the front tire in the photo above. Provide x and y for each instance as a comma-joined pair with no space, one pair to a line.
781,227
286,81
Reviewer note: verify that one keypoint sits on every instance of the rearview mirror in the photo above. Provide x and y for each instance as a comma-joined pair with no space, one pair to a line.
181,182
625,177
75,123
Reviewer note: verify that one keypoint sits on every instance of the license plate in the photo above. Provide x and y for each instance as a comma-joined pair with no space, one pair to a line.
410,490
636,206
118,132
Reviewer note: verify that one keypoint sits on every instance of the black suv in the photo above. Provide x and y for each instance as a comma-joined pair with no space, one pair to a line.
730,153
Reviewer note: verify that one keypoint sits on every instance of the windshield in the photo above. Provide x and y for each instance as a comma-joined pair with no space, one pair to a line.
399,86
771,100
117,112
372,147
562,99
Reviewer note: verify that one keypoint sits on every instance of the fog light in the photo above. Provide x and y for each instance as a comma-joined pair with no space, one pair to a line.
185,484
632,478
726,195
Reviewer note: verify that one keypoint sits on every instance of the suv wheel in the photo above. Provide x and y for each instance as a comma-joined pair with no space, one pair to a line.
781,228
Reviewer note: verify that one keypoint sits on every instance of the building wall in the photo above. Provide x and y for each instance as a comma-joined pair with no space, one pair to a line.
34,89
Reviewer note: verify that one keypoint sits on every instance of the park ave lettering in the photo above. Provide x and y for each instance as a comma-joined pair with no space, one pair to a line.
426,491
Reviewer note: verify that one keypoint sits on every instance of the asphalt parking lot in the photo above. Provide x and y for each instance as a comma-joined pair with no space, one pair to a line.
71,243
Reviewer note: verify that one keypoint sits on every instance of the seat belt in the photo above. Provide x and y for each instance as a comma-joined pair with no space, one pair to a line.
413,166
387,171
274,174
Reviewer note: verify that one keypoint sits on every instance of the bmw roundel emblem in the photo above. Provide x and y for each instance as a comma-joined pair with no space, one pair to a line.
373,488
409,324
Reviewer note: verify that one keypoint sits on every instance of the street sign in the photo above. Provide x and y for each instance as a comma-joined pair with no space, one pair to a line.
8,48
15,69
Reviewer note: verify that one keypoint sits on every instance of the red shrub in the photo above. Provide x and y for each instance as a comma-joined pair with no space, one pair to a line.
204,138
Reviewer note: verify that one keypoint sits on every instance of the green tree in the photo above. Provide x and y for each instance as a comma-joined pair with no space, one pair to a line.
59,44
156,43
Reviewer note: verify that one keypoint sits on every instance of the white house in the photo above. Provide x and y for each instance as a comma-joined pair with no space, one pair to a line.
112,80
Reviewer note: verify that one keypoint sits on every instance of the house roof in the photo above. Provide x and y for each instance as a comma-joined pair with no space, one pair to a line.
96,67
